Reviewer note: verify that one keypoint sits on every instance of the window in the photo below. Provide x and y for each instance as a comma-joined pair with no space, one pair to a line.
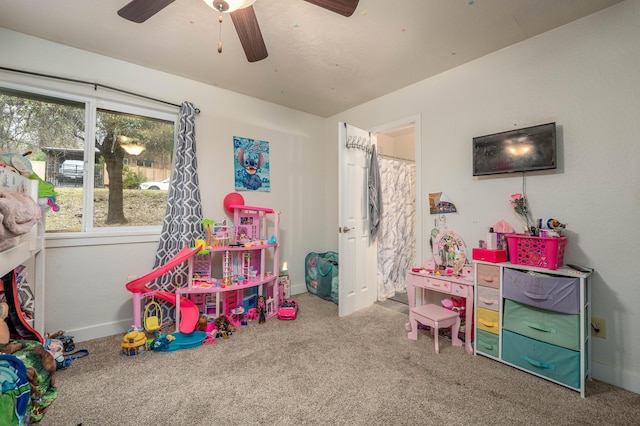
98,185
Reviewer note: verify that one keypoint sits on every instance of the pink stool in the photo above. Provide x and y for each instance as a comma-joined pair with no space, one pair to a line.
435,317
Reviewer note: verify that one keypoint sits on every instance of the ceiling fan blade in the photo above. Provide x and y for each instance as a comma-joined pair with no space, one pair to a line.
140,10
342,7
249,33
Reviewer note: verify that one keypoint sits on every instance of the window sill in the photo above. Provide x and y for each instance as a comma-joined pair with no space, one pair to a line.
80,239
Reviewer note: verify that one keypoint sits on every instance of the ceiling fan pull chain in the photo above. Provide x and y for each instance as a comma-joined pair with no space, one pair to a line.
220,6
220,34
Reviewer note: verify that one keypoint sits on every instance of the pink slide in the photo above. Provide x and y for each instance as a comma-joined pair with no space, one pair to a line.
189,312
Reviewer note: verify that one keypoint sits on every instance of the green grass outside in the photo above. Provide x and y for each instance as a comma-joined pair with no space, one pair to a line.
141,208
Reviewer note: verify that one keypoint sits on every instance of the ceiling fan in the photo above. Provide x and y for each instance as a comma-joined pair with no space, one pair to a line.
242,15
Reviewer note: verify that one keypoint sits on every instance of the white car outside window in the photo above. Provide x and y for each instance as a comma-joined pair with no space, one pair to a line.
71,170
162,185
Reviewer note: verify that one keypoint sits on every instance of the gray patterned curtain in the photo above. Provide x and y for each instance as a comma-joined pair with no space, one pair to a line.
181,226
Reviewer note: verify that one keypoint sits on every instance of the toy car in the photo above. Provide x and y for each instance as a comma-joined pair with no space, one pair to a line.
288,310
67,343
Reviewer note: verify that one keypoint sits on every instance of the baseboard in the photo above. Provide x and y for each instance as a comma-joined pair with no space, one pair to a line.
615,376
98,331
120,327
298,289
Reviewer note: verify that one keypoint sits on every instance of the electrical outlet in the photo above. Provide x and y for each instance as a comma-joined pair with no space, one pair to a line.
598,327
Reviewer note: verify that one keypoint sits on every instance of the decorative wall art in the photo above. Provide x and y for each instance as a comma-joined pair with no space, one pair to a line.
251,164
439,203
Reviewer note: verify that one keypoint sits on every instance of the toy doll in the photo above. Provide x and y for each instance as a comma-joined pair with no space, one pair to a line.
223,326
262,310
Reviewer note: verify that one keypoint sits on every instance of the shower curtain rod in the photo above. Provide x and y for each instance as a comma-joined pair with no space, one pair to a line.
95,86
391,157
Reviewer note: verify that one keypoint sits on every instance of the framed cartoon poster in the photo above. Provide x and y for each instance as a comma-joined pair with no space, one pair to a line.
251,164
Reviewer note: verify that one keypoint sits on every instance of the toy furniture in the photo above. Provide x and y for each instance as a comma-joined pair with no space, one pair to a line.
252,314
242,267
435,317
427,282
536,320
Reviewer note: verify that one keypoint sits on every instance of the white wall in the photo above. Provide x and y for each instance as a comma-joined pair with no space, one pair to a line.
85,293
400,146
584,76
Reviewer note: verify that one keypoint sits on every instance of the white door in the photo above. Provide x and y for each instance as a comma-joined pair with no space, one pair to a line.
357,272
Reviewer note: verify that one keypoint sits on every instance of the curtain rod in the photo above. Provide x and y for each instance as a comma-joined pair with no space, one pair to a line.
391,157
95,86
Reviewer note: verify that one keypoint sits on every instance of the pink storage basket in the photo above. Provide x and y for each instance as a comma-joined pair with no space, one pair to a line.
543,252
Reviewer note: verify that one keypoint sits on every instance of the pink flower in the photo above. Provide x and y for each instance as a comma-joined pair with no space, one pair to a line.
518,204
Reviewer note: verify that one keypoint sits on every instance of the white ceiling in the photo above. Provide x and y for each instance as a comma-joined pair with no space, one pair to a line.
319,62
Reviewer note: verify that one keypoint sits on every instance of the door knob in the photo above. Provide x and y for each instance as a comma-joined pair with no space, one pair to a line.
344,229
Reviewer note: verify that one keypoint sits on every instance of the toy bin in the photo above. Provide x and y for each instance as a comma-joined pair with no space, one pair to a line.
543,252
321,275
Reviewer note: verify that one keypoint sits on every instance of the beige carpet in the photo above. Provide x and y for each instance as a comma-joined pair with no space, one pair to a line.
321,370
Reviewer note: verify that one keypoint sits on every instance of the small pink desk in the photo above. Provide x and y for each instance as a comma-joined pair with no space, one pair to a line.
447,284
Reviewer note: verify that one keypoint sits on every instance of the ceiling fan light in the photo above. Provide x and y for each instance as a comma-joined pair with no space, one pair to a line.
228,5
133,149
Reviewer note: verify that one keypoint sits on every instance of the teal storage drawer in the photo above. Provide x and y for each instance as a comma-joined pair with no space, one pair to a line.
556,363
487,343
547,326
560,294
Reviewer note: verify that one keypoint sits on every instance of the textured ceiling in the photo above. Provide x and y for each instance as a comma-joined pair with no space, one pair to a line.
319,62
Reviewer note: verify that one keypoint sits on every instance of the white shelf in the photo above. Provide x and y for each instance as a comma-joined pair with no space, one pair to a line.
30,245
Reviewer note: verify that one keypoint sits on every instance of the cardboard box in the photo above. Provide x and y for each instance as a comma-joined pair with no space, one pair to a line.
486,255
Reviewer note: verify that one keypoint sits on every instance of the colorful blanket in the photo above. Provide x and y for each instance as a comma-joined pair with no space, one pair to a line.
18,214
40,367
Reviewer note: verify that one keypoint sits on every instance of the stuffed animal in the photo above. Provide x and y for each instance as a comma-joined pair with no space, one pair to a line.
5,336
17,163
20,164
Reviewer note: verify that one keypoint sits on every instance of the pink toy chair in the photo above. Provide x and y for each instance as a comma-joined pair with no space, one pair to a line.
252,314
435,317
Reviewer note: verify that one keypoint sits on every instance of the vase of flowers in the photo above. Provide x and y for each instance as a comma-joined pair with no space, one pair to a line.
519,205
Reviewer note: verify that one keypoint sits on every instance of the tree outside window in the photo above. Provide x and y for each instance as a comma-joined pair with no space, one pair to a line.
98,188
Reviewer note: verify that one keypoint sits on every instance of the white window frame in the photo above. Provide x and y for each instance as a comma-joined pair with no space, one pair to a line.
90,235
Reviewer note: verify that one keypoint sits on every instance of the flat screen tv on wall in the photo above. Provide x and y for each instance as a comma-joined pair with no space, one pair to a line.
521,150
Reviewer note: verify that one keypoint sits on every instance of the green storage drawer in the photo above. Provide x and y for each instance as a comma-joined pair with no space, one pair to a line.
547,326
487,343
554,362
